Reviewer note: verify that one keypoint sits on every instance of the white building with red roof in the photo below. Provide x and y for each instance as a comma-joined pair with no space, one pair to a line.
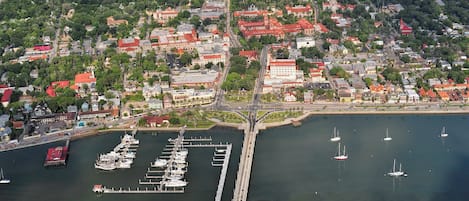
282,73
300,10
163,16
83,79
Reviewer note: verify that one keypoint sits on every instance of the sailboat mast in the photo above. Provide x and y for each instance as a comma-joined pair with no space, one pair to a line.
394,166
400,167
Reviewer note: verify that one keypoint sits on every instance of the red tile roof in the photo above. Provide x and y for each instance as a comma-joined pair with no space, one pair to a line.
7,95
248,53
299,9
84,78
212,56
128,42
58,84
156,119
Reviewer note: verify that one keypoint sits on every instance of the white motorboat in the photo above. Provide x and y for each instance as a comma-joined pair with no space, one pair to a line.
175,183
105,166
220,150
178,161
341,156
3,180
176,171
387,138
396,173
335,135
130,155
183,152
129,139
159,163
443,132
179,157
175,176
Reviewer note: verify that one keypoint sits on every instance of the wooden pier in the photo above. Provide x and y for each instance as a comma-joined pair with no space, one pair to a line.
140,190
224,170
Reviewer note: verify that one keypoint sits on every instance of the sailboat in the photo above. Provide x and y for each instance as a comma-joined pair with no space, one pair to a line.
387,138
341,156
396,173
335,136
3,180
443,132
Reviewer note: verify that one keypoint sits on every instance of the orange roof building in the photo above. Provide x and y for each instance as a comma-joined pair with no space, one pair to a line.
82,79
300,10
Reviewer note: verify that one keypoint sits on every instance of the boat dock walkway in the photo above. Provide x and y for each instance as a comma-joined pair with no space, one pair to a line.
140,190
224,170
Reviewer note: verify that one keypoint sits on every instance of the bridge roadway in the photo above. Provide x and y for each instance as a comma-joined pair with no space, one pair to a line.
250,133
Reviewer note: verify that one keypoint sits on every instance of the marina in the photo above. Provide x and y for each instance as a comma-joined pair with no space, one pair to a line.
166,173
121,157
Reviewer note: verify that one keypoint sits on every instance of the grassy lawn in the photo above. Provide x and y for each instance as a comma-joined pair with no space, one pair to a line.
240,97
245,113
229,117
260,113
281,116
269,98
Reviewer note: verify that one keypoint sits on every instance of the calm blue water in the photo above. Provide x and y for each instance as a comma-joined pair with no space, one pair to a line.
294,164
31,181
290,164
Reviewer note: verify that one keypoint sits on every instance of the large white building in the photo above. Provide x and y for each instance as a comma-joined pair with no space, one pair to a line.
282,73
305,42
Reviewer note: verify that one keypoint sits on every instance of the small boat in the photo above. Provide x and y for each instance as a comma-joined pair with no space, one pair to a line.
335,136
3,180
159,163
443,132
220,150
105,166
98,188
175,176
396,173
175,183
387,138
341,156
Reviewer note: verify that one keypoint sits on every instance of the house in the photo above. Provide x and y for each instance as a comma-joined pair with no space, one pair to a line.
6,97
163,16
156,121
155,104
195,78
302,42
149,91
111,22
83,79
289,97
190,97
167,102
316,74
299,10
405,29
249,54
54,85
5,131
128,45
308,97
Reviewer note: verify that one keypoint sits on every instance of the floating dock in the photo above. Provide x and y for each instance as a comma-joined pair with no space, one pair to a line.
103,189
224,170
57,155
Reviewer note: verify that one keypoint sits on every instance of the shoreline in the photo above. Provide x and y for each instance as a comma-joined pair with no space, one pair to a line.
239,126
307,114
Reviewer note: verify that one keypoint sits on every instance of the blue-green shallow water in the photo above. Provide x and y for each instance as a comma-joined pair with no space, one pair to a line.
31,181
294,164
